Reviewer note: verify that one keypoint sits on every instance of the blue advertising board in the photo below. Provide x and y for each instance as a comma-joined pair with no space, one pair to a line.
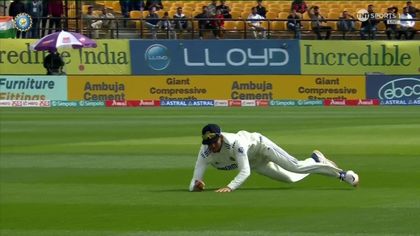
190,57
187,103
386,87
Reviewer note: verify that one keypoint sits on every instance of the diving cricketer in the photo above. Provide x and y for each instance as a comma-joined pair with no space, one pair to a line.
245,151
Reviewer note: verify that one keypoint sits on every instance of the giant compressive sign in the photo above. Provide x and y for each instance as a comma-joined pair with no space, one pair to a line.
238,87
214,57
360,57
110,57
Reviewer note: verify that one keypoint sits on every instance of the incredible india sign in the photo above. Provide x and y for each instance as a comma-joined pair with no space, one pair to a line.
111,57
360,57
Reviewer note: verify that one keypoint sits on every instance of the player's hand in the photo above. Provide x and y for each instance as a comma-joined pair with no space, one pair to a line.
198,186
224,190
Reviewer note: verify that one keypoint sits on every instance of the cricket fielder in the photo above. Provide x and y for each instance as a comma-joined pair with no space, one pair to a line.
245,151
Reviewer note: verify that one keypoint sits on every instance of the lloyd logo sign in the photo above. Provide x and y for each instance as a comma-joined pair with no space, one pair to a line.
237,57
393,87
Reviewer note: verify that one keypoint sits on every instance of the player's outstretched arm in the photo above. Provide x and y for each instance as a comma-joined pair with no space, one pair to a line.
197,183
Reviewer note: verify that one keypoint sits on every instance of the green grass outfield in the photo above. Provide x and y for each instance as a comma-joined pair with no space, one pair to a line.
98,171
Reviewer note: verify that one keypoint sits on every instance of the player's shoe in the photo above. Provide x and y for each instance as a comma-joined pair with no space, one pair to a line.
320,158
350,177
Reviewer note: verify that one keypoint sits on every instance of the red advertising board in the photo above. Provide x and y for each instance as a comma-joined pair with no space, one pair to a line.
351,102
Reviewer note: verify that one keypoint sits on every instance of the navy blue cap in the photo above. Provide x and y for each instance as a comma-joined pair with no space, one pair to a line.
210,133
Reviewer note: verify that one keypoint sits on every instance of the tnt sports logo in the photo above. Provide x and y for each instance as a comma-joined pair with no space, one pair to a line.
23,22
157,57
363,15
402,88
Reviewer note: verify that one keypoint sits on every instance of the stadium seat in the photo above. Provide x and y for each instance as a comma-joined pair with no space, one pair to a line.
306,26
240,25
282,15
236,9
237,5
271,15
332,24
417,26
230,25
136,14
108,4
277,25
102,3
171,13
236,14
273,9
249,5
190,4
85,8
333,15
244,15
160,13
116,7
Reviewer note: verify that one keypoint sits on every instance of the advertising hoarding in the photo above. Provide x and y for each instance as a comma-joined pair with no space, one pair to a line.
181,57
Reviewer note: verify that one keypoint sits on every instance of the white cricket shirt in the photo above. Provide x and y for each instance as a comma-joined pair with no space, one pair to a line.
237,151
254,19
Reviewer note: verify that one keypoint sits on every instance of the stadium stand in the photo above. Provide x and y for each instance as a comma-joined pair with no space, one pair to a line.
276,17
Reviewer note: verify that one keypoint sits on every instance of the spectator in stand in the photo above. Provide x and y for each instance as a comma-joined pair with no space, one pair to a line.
167,25
180,20
261,10
406,25
108,22
317,21
255,24
35,11
346,23
294,24
299,6
44,20
92,23
125,10
369,26
55,12
136,5
154,3
390,21
218,24
224,9
204,22
412,10
152,22
211,8
16,8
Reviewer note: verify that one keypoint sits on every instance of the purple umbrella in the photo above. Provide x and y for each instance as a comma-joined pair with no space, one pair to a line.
63,39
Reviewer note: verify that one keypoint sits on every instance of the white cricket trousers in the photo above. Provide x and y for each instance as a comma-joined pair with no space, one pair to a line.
277,164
